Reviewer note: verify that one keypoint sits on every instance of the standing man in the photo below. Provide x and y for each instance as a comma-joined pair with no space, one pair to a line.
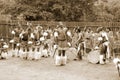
80,45
61,58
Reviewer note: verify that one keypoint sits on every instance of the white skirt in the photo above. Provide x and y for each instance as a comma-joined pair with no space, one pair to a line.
15,52
44,52
23,55
30,55
4,55
37,55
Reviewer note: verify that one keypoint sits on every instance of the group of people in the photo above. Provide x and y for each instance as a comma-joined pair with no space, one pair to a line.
34,43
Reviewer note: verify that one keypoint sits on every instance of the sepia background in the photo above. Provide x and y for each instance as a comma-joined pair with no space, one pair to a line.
83,13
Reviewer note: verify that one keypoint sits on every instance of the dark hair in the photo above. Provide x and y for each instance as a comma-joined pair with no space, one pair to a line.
78,30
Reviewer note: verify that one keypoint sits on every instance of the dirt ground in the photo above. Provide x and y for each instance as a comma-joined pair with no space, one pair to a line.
44,69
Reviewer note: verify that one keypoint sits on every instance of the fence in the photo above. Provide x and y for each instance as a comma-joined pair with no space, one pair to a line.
5,26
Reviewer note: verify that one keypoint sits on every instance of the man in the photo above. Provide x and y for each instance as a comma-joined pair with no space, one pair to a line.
61,58
80,45
15,41
103,45
103,50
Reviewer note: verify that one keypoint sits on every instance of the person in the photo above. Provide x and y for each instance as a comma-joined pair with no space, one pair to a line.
37,32
80,47
103,50
15,41
27,38
98,55
103,45
44,51
4,52
107,43
88,40
75,38
111,42
61,58
37,55
118,35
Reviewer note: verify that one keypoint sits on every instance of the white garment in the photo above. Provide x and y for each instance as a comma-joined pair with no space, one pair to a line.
55,34
13,32
108,49
60,60
69,33
42,39
101,59
24,55
32,35
37,55
57,60
45,34
15,52
21,35
45,52
20,53
104,34
4,55
116,60
30,54
5,46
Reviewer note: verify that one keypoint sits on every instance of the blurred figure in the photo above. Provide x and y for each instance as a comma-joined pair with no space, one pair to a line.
61,58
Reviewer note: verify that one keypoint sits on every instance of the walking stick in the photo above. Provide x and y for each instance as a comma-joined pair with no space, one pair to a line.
54,52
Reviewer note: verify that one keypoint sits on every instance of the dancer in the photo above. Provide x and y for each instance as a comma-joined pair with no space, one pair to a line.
61,58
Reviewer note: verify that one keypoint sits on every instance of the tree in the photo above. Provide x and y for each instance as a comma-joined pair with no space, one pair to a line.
58,10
